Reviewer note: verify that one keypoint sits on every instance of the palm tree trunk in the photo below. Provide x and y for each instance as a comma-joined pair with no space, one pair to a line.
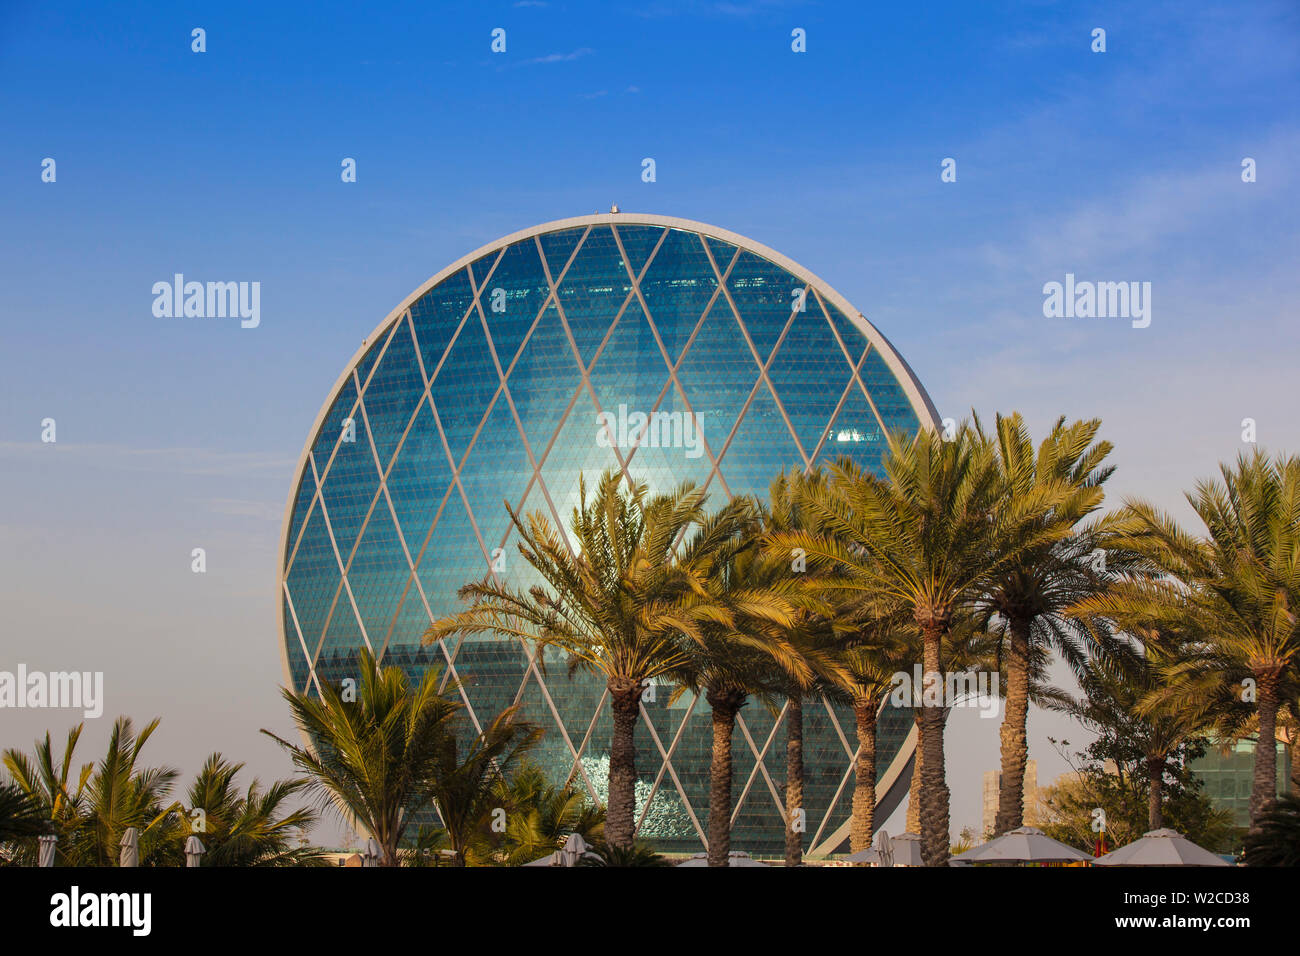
724,704
388,834
1264,791
625,701
914,787
1155,794
934,788
863,821
1015,746
793,779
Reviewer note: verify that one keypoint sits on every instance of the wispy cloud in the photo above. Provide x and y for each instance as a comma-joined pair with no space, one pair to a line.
557,57
1139,219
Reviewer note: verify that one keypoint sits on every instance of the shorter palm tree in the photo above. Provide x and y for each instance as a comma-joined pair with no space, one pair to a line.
252,828
464,783
1126,698
49,781
374,756
108,798
1239,584
869,659
541,816
21,818
605,854
812,634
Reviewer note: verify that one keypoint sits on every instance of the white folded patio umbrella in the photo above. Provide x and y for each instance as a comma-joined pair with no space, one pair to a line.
884,849
47,844
1161,848
1022,845
575,848
130,844
736,858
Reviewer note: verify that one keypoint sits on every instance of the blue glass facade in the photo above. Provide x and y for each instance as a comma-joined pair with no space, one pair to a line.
487,388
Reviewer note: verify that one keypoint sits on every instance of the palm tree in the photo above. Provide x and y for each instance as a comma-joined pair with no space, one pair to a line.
1031,594
970,646
1125,699
250,828
110,797
811,633
21,817
606,854
1276,840
541,816
810,637
121,794
922,542
1239,585
375,755
46,781
465,785
744,652
871,662
618,604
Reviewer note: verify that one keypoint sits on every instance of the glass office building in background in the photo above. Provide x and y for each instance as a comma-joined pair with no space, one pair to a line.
1228,772
491,383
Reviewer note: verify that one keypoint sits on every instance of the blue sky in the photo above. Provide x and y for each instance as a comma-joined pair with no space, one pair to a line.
174,434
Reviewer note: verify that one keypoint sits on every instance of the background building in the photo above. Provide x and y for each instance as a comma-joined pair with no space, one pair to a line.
486,385
1228,771
992,799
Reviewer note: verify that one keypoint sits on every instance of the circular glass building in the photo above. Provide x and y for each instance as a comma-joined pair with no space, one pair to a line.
544,356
